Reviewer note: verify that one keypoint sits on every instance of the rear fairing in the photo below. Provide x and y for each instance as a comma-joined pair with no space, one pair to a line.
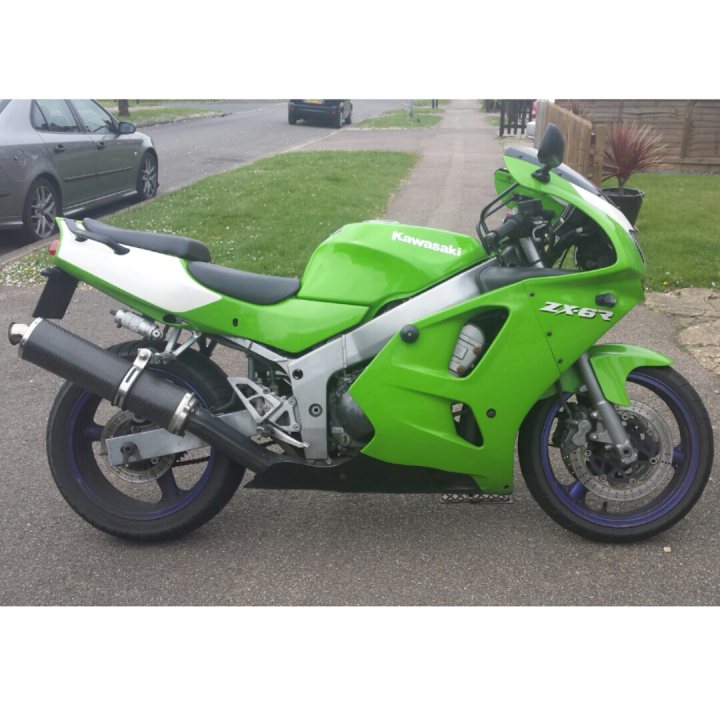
160,287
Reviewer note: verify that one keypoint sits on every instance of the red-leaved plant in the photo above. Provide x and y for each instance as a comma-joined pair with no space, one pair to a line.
630,148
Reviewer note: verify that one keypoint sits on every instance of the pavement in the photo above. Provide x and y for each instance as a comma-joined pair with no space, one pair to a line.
310,548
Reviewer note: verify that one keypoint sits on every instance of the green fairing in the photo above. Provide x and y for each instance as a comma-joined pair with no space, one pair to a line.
374,263
408,392
350,276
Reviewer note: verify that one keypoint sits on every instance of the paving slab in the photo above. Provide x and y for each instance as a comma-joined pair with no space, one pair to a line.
453,179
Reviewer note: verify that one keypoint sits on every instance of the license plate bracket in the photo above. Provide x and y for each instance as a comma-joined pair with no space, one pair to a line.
56,295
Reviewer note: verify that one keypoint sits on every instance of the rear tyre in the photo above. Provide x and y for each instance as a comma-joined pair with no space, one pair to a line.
148,500
147,180
292,119
42,206
586,490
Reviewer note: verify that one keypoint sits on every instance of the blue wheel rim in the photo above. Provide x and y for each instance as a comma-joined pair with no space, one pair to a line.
93,482
688,452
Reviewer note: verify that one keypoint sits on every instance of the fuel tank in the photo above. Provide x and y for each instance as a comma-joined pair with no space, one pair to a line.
373,263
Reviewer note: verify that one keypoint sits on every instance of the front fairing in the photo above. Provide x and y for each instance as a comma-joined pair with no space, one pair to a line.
567,187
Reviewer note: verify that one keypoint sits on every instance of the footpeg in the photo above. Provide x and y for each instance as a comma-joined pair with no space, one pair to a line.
455,498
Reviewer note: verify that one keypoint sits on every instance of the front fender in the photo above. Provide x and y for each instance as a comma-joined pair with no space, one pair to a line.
612,364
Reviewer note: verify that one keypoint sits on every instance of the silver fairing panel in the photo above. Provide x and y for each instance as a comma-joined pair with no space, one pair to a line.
310,373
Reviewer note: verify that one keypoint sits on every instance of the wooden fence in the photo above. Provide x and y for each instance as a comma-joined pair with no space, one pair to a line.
690,128
584,145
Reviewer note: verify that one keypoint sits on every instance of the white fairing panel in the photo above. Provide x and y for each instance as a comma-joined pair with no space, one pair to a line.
605,207
158,279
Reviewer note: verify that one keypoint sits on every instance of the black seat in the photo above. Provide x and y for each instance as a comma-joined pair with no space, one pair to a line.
252,288
181,247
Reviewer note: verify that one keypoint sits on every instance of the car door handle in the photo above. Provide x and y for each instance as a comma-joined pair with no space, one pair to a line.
100,145
59,148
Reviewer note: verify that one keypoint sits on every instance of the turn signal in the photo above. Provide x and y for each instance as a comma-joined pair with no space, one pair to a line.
54,246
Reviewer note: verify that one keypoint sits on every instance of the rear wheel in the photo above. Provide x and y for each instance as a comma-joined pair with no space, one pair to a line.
292,119
586,489
42,206
153,499
147,180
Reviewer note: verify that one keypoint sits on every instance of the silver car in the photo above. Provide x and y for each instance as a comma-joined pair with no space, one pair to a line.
63,157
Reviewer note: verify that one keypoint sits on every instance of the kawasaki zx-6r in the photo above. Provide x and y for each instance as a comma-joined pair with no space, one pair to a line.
400,346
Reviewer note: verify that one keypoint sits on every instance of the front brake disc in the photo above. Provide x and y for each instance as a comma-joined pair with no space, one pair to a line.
628,483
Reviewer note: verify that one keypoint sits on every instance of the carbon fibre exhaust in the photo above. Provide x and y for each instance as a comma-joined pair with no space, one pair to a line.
155,398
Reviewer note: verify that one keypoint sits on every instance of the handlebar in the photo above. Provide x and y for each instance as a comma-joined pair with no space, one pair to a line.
507,230
517,226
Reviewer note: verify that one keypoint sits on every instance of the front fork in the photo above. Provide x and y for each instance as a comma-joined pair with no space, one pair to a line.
609,427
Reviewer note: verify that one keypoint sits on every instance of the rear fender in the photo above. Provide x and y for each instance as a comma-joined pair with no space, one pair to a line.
612,364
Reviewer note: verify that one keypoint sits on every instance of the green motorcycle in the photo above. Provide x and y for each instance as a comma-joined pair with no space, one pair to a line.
406,359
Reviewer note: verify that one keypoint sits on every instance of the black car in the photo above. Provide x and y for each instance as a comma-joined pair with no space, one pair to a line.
334,112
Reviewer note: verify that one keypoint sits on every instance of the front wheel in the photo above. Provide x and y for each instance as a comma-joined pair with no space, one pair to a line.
156,499
582,485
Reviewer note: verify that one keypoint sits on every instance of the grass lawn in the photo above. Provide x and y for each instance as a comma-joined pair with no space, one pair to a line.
144,116
678,229
268,217
423,117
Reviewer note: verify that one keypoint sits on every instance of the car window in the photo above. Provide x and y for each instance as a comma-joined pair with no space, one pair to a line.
3,103
93,118
53,116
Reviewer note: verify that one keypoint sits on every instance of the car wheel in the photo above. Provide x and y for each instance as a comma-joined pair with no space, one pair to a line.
339,118
147,181
42,206
292,119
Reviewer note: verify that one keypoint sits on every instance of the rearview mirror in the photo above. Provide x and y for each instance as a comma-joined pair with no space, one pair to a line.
550,153
552,147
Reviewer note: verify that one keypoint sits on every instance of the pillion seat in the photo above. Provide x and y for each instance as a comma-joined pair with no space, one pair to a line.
175,245
249,287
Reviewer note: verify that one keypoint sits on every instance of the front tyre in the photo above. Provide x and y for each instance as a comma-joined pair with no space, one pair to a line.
587,490
155,499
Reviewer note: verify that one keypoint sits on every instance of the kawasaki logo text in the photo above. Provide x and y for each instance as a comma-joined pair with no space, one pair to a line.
435,247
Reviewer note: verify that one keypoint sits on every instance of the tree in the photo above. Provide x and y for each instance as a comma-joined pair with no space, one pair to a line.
123,108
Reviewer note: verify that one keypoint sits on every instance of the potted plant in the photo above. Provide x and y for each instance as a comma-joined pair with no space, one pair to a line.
630,148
